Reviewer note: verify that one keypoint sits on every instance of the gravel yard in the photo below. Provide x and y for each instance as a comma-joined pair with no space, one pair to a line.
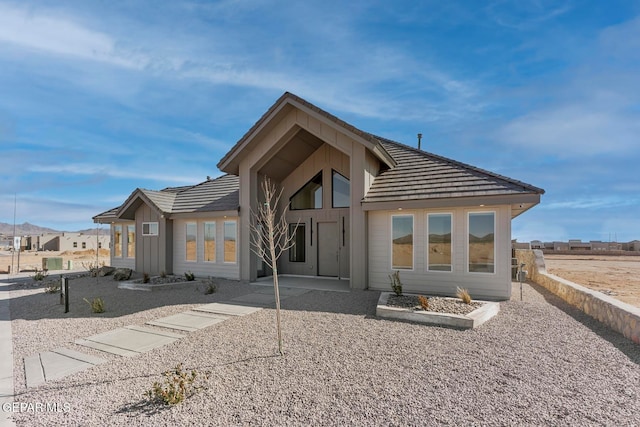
538,362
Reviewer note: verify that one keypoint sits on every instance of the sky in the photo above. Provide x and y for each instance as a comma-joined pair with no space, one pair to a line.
100,98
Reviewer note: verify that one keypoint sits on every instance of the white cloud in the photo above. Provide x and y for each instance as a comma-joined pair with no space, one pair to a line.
60,36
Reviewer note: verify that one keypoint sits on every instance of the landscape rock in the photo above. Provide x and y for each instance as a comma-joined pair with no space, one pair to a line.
122,274
105,270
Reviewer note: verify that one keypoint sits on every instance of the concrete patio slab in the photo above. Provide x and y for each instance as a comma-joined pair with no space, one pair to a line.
284,291
52,365
189,321
130,340
315,283
228,309
257,299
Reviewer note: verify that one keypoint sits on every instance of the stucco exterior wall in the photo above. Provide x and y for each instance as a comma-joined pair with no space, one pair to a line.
619,316
492,286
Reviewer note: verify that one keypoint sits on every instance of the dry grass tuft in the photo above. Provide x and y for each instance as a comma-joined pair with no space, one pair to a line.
464,295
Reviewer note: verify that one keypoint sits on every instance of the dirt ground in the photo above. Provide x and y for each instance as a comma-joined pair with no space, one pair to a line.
617,276
30,260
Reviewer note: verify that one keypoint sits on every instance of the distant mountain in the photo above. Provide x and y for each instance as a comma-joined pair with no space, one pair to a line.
484,239
30,229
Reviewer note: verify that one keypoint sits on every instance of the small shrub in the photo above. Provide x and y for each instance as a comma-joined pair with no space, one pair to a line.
424,302
53,288
189,276
145,278
39,275
178,385
396,285
92,267
96,304
211,287
163,274
464,295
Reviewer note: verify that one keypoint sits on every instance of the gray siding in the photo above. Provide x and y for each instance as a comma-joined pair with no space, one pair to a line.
495,286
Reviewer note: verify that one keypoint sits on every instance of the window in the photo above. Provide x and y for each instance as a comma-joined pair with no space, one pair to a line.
297,251
210,241
99,245
131,241
482,242
439,242
75,244
230,235
309,196
84,245
191,247
340,197
402,242
149,228
117,240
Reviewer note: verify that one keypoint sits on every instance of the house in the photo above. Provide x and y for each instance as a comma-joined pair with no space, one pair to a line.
366,206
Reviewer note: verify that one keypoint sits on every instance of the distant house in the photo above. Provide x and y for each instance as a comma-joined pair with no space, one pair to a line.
366,205
64,241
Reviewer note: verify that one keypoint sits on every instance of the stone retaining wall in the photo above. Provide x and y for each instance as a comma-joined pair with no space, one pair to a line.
619,316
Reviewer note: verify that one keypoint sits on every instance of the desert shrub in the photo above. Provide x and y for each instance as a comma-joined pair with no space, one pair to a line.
189,276
39,275
145,278
92,267
210,286
464,295
53,287
163,274
177,386
424,302
96,304
396,285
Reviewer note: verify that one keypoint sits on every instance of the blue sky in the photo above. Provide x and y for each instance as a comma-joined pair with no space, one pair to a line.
98,98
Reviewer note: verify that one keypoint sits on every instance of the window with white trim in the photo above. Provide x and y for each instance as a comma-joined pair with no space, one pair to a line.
191,247
230,240
481,245
117,240
149,228
402,242
439,253
210,241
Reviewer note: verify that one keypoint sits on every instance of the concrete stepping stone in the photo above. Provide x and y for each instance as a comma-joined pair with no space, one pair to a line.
228,309
52,365
130,340
257,299
284,291
189,321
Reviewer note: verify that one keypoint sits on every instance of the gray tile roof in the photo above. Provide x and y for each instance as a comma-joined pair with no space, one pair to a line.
420,175
220,194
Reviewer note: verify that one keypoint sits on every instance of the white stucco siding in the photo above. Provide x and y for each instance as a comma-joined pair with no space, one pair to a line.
200,267
496,286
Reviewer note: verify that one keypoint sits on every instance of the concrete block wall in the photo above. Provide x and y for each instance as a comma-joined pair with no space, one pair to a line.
617,315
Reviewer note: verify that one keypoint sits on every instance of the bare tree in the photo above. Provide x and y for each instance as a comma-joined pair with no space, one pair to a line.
270,237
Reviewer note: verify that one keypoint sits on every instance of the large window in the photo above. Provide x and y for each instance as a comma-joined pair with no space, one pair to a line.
309,196
149,228
297,251
439,242
191,242
117,240
402,242
210,241
230,237
131,241
482,246
339,191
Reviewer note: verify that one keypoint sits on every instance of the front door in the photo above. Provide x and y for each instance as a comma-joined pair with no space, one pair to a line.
328,255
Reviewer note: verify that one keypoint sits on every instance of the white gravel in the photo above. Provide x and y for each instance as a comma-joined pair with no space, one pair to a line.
538,362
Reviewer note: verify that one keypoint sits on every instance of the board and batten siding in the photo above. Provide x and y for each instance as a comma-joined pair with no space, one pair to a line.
492,286
202,268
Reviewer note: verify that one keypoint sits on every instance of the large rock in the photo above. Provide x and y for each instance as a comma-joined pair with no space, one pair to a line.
105,270
122,274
